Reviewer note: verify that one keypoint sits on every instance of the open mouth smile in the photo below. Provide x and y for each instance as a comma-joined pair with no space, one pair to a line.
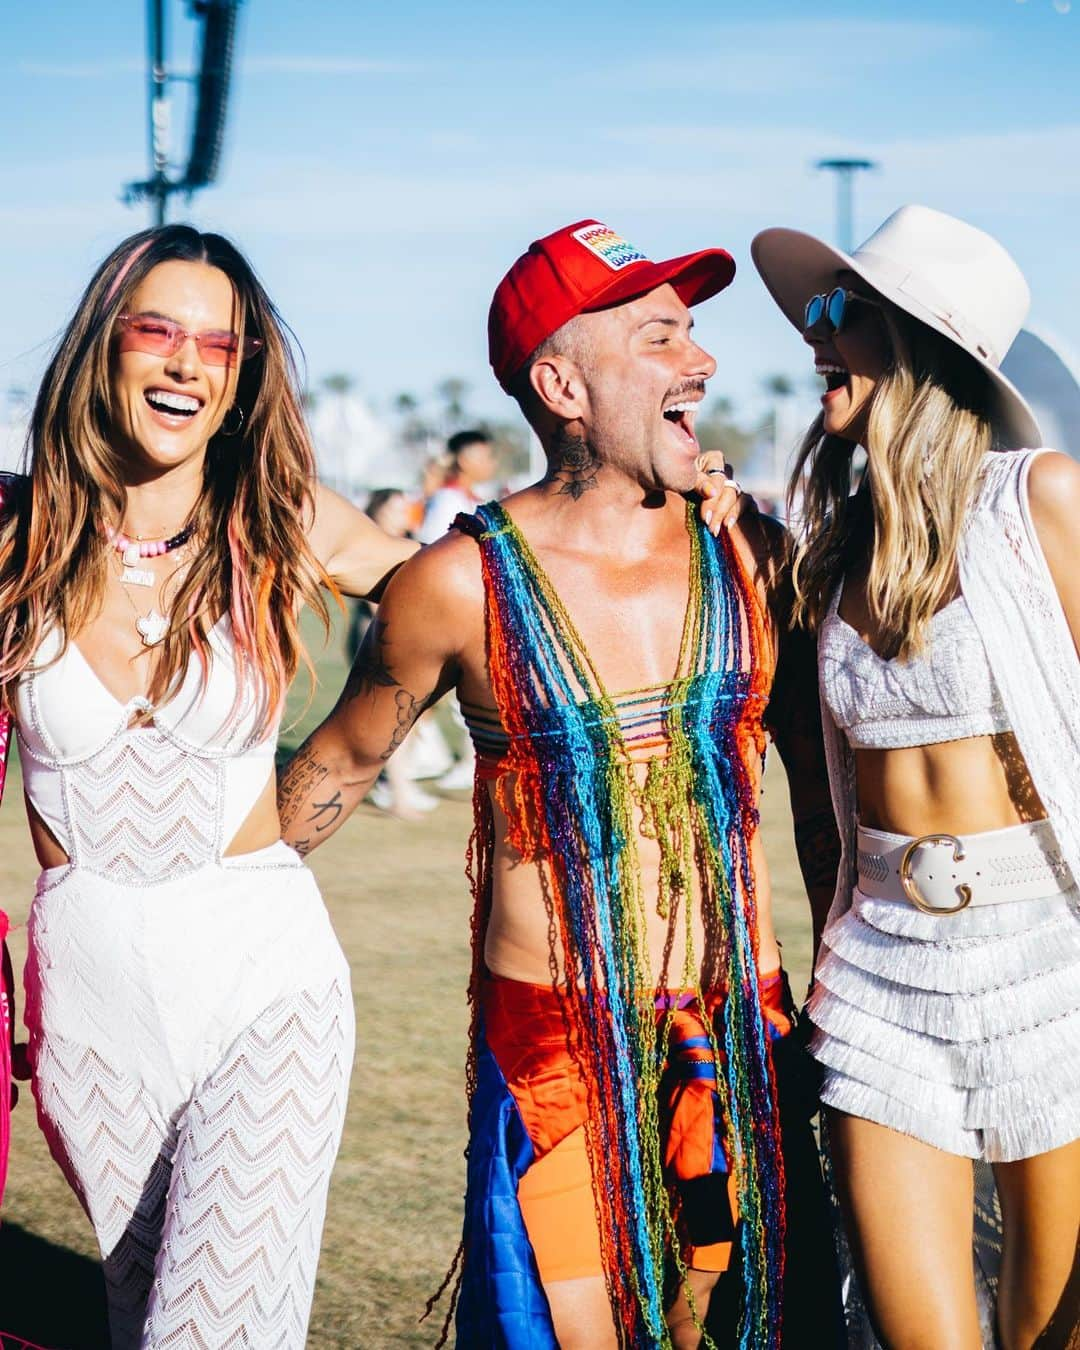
172,408
835,377
681,415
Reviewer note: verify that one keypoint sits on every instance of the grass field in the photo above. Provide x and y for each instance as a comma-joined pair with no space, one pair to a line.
397,896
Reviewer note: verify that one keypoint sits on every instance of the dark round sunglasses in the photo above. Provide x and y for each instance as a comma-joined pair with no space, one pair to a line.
827,312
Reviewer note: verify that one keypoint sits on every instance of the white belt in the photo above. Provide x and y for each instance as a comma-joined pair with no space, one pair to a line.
945,873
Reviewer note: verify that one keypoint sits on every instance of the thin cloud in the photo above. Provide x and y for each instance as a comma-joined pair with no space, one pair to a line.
796,55
326,65
79,70
248,65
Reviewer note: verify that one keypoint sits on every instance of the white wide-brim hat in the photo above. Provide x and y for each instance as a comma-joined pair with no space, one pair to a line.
945,273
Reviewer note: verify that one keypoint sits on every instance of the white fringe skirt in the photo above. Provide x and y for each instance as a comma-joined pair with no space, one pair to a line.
962,1030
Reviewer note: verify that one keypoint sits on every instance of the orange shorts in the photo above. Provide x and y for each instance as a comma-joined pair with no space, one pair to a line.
525,1028
557,1205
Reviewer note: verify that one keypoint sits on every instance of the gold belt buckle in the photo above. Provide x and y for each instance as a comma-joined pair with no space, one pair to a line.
911,889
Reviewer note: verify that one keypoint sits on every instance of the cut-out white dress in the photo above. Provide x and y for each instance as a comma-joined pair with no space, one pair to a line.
191,1023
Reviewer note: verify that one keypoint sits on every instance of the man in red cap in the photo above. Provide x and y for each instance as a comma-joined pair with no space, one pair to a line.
613,649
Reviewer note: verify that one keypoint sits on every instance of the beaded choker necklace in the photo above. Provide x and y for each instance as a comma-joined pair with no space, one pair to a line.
132,550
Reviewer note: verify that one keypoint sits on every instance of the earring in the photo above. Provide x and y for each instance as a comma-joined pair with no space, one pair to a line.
233,431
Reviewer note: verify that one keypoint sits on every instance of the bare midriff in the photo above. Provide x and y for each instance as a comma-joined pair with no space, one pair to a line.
522,944
956,787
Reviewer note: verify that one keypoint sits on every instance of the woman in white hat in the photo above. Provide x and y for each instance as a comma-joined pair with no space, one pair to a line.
946,600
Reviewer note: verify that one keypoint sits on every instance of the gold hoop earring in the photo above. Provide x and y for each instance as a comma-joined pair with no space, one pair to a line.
233,431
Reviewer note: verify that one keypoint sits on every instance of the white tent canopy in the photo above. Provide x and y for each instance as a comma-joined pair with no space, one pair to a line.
1048,376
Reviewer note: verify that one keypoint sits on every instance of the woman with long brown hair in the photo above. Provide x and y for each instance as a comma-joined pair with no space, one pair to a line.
190,1017
942,585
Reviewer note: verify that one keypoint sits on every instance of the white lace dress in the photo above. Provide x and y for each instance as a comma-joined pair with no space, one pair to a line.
190,1014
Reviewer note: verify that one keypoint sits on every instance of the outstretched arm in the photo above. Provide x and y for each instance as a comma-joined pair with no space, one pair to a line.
358,556
407,661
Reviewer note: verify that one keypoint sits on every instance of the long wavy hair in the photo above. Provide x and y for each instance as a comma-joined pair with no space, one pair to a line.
252,561
929,427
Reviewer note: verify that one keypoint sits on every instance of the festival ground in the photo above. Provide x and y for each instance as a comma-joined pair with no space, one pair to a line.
397,896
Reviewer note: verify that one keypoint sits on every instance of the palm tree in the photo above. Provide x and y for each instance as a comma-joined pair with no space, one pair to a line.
779,388
452,391
339,384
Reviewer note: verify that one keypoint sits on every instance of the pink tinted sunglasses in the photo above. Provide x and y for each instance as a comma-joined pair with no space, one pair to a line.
156,336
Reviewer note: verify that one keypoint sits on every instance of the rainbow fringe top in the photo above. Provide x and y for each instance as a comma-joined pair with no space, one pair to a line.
566,758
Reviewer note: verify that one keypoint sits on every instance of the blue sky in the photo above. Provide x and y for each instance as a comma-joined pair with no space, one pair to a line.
385,163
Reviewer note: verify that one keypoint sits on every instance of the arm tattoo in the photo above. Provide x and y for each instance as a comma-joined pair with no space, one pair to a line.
370,670
817,843
301,777
335,805
574,465
409,709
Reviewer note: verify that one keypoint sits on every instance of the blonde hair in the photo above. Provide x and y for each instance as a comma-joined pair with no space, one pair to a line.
253,561
928,429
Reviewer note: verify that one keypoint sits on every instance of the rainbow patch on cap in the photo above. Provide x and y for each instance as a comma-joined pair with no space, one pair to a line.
611,248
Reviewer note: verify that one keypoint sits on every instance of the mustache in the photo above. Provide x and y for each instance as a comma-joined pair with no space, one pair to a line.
687,387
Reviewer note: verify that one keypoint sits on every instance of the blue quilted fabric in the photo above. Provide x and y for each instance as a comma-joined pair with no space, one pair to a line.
502,1304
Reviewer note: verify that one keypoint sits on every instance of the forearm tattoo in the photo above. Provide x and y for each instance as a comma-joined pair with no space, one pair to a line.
327,812
574,465
817,843
301,776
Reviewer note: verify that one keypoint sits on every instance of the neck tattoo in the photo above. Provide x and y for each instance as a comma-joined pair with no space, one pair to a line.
574,465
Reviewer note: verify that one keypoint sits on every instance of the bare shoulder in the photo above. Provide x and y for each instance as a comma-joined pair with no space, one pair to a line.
1054,496
443,581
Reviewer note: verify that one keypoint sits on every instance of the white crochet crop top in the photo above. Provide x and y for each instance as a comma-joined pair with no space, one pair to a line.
138,804
946,694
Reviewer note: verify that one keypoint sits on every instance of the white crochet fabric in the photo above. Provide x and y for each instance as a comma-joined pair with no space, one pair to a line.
944,694
1030,652
932,1025
964,1030
143,803
191,1044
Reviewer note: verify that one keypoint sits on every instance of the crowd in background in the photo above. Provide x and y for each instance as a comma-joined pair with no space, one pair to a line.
437,750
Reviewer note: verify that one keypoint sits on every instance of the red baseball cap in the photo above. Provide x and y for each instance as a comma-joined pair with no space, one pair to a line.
582,267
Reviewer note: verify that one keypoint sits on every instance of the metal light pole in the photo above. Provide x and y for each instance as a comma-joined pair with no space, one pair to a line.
211,84
157,187
845,170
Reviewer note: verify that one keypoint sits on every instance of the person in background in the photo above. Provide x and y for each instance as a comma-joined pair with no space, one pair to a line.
396,790
388,507
472,466
432,478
